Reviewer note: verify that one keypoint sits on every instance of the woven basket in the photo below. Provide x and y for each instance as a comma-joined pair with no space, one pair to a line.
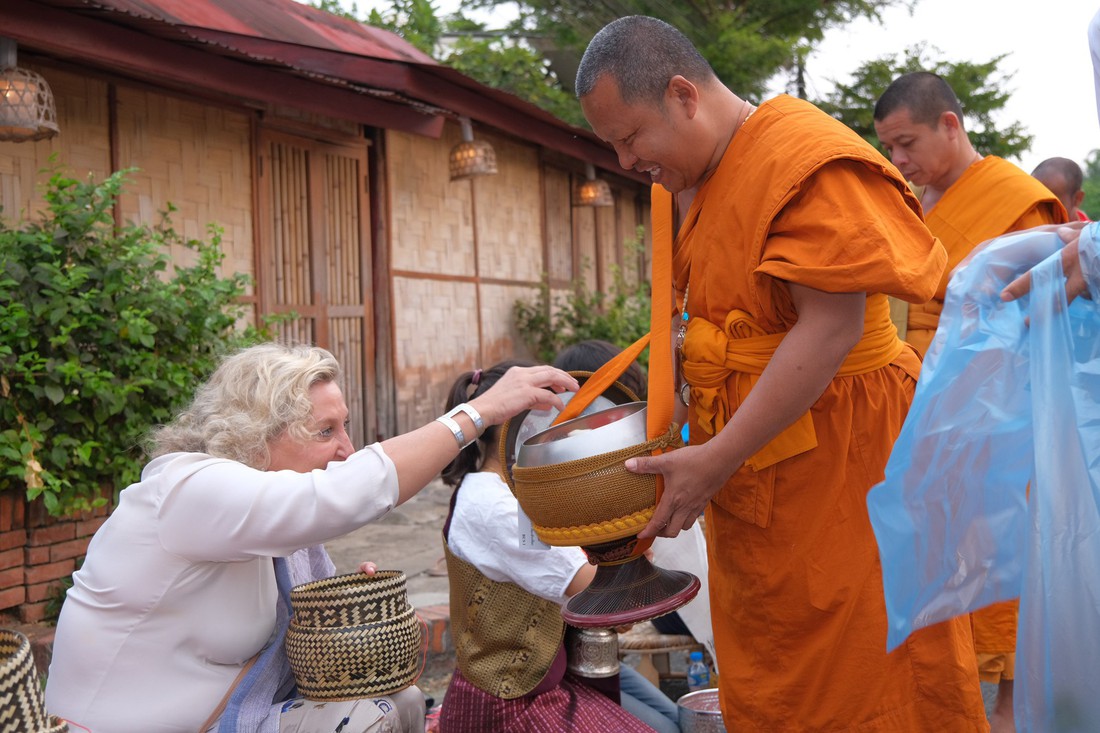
353,636
590,500
350,600
350,662
21,706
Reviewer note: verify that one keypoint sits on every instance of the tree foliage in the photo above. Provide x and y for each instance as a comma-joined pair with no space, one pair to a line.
549,323
980,87
746,41
1091,186
97,342
508,64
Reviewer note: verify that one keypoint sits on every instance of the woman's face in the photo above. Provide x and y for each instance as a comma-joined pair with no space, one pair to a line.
328,436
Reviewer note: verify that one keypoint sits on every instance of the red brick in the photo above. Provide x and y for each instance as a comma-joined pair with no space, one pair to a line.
43,591
36,555
437,621
7,511
11,577
32,613
69,550
11,558
88,527
12,597
13,538
59,532
46,573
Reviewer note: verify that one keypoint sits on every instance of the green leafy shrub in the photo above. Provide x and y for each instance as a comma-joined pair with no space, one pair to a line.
550,323
98,342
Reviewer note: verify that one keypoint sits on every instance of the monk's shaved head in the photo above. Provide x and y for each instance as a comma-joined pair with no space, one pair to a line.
642,54
924,94
1052,169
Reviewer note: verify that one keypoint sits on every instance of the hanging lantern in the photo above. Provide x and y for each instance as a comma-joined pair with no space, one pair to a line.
471,157
26,102
594,191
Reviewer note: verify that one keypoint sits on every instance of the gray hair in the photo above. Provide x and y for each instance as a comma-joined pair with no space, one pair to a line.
253,396
641,54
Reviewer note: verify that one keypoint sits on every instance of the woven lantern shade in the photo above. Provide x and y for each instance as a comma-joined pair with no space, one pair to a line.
26,102
594,191
472,157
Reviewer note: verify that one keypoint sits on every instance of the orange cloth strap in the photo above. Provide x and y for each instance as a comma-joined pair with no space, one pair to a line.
659,339
601,379
661,388
741,348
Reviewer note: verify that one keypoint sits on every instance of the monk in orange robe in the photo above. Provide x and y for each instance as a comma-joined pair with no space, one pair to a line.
967,199
792,231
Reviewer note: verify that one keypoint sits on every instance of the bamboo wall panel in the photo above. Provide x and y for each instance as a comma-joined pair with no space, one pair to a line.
290,235
508,207
435,331
195,157
431,224
584,239
345,281
559,224
609,243
627,215
500,339
82,146
346,344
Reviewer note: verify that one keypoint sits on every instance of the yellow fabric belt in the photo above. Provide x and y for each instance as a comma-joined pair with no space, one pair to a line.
925,317
741,347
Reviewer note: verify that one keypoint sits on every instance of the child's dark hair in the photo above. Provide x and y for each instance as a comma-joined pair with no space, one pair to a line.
590,355
468,386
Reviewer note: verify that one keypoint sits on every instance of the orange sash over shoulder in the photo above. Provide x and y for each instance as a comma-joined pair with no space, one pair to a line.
991,198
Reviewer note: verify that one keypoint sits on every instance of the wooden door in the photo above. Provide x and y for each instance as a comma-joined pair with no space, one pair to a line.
315,257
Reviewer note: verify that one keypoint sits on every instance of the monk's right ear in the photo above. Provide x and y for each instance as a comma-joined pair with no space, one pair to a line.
682,93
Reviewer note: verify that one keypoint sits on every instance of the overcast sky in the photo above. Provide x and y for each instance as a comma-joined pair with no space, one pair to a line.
1052,81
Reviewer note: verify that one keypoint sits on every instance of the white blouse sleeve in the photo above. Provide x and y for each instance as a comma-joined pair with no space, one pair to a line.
485,532
216,509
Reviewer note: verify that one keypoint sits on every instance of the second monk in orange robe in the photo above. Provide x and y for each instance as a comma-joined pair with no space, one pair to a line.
967,199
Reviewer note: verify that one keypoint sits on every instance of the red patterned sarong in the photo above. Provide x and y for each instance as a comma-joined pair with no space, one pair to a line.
571,707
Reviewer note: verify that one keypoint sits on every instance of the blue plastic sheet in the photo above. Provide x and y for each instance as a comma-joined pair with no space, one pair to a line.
1002,405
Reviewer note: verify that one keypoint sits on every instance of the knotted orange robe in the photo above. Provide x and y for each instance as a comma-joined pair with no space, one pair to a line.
796,585
992,197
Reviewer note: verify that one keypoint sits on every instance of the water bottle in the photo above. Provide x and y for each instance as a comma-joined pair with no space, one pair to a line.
698,674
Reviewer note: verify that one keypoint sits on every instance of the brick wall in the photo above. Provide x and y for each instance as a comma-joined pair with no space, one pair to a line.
37,552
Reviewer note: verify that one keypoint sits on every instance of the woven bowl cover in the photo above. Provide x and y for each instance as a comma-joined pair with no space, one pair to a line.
21,707
350,600
590,500
351,662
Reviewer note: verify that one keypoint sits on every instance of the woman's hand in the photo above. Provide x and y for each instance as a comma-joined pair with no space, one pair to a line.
523,388
368,567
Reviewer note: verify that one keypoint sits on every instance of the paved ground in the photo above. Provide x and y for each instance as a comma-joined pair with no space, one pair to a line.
408,539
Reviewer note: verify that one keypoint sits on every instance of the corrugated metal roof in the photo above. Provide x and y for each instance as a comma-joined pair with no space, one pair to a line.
289,37
274,20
